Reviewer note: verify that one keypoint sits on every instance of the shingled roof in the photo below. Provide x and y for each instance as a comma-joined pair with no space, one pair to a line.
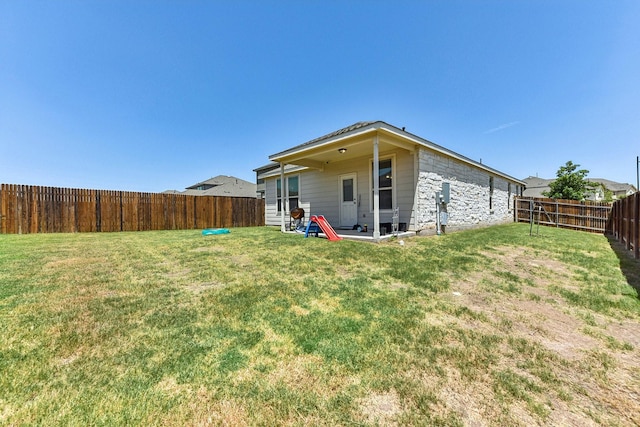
223,185
338,132
535,186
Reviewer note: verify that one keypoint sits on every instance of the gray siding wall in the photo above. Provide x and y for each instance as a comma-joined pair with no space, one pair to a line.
320,190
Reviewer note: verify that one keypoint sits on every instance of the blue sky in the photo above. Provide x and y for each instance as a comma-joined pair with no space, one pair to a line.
156,95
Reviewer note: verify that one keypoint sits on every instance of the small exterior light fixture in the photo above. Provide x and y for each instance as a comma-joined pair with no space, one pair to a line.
342,150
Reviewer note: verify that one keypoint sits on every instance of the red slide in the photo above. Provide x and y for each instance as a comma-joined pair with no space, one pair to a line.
326,228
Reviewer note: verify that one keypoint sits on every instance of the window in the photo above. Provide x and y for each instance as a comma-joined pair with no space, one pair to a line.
385,184
490,192
294,192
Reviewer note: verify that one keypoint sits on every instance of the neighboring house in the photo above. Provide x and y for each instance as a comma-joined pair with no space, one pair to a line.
221,185
619,190
535,187
334,176
260,185
265,170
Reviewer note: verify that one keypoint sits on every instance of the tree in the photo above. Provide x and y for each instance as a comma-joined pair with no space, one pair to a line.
570,183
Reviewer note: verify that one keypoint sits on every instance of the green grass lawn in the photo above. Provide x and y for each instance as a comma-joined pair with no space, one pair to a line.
484,327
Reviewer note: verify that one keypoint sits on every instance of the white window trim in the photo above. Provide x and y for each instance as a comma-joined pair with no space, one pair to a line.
287,177
394,191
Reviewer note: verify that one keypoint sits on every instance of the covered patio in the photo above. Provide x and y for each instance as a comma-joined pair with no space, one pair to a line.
361,235
361,142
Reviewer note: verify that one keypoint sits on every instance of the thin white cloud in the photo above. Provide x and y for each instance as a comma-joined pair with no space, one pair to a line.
501,127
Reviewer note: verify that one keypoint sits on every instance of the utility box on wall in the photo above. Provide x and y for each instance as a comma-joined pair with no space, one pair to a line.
445,192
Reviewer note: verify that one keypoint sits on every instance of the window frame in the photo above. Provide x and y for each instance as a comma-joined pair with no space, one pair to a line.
392,188
491,188
279,197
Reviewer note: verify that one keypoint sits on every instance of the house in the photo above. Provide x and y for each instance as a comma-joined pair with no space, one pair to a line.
619,190
221,185
263,171
536,186
362,173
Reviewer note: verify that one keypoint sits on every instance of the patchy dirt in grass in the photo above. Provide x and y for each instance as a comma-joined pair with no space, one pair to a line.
299,311
343,272
198,288
209,249
297,372
178,274
203,408
71,262
595,359
381,408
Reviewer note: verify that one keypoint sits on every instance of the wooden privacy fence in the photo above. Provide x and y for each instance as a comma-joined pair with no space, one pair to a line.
624,223
572,214
33,209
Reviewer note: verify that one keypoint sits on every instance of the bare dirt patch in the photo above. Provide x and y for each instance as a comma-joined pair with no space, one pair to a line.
198,288
178,274
381,408
71,262
297,372
602,367
209,249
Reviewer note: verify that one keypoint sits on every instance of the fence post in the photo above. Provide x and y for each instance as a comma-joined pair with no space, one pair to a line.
628,228
3,210
636,238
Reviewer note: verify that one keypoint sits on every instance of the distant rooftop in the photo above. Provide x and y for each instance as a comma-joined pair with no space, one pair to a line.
221,185
535,186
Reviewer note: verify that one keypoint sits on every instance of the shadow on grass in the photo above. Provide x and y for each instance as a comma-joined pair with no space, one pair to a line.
629,266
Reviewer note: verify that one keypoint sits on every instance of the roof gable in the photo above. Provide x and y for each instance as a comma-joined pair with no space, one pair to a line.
223,185
359,130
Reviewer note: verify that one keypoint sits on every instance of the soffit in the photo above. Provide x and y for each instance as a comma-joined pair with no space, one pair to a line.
356,146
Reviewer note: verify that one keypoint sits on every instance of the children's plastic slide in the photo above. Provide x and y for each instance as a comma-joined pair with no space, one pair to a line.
327,229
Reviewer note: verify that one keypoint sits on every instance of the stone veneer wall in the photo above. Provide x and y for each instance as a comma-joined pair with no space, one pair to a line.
469,194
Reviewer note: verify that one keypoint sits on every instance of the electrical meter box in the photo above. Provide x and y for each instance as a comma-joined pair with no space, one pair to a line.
445,192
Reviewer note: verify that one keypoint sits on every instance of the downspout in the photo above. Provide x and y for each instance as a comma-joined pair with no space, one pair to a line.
376,190
282,207
413,221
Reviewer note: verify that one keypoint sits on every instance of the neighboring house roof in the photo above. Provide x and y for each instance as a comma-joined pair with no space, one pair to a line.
221,185
296,154
615,187
535,186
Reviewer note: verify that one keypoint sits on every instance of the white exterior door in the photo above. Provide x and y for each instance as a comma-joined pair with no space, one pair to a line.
348,200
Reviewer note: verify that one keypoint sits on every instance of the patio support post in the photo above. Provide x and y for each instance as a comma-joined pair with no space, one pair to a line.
282,198
376,190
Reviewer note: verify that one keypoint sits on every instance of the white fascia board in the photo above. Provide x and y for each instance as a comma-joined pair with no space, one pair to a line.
444,151
380,125
287,171
332,140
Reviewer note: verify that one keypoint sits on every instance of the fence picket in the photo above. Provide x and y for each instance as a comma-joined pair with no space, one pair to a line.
624,223
572,214
36,209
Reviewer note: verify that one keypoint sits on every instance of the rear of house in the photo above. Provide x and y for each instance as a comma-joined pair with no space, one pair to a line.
364,173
